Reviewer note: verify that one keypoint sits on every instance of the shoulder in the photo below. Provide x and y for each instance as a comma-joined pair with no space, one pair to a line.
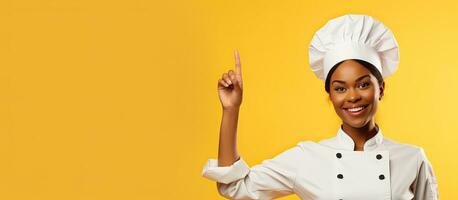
401,147
309,146
406,150
306,144
303,155
298,150
302,150
330,142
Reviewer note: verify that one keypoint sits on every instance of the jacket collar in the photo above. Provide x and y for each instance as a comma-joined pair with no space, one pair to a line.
346,142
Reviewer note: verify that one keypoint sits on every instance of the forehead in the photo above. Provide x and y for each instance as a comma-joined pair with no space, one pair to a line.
349,70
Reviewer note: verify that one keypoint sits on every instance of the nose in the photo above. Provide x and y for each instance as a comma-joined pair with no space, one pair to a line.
353,95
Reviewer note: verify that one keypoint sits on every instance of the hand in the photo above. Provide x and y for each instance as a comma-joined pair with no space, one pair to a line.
230,88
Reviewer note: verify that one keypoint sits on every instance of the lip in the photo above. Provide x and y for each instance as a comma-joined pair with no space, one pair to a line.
354,114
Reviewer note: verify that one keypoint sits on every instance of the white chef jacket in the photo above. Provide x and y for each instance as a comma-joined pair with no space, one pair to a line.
330,169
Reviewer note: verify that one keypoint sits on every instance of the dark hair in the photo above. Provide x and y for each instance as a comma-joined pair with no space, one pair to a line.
367,65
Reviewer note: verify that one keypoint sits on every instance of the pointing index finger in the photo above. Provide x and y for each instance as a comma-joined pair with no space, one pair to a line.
238,66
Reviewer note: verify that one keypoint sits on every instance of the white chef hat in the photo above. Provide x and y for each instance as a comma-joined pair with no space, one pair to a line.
353,37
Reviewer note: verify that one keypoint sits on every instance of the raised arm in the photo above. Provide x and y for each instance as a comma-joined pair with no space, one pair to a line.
272,178
230,92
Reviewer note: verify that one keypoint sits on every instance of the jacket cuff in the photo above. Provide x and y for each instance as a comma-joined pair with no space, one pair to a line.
238,170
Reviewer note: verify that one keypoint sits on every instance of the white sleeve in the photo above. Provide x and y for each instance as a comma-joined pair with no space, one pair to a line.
425,185
272,178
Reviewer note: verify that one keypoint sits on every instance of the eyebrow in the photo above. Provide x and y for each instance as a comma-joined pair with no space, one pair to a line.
361,77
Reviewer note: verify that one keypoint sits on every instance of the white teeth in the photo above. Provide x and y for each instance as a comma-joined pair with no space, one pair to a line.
355,109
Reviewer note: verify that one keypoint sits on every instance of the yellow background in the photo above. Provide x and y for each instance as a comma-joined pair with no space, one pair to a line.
117,99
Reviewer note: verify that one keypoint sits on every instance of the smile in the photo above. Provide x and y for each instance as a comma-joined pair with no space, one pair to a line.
356,111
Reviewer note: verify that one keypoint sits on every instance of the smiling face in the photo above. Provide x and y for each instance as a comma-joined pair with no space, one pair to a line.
355,93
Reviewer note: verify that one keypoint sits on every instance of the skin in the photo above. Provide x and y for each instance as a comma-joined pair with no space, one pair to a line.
230,92
348,90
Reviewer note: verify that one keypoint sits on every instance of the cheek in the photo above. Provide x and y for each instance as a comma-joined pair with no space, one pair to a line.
371,98
369,95
337,102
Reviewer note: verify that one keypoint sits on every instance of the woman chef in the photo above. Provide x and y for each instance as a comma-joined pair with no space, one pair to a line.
353,54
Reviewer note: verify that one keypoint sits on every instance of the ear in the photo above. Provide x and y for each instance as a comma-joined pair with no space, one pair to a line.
382,90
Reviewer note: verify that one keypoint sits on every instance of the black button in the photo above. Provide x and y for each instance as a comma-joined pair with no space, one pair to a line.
339,155
381,177
379,156
340,176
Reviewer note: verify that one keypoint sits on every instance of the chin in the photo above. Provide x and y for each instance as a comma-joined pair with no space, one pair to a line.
357,124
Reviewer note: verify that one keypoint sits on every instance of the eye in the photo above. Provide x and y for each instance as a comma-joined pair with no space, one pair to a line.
364,85
339,89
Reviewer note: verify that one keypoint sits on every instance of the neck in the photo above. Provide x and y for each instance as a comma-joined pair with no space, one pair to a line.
362,134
